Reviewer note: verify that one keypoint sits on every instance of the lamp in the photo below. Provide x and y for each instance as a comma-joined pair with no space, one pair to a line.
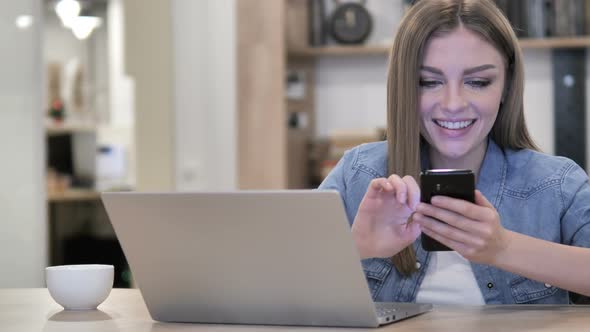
82,26
67,10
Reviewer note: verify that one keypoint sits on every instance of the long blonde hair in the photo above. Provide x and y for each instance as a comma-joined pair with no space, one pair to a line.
423,20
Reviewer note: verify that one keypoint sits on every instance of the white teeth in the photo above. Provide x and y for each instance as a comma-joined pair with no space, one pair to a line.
455,124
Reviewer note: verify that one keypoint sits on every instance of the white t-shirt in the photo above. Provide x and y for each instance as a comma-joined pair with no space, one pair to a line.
449,280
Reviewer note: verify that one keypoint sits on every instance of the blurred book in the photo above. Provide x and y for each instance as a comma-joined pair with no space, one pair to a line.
569,18
578,17
317,24
518,17
543,18
503,5
550,17
537,18
515,12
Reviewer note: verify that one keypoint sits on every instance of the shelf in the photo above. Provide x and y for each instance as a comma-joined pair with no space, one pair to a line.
67,128
339,51
561,42
73,195
526,43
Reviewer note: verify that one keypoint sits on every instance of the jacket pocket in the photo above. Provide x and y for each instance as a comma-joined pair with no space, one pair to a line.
376,271
526,290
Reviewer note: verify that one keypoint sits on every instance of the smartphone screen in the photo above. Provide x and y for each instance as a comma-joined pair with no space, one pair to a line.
456,183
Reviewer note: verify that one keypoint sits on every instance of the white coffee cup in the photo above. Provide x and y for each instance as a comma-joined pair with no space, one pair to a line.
79,287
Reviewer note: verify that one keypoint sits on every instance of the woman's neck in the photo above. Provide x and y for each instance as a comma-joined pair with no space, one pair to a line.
473,160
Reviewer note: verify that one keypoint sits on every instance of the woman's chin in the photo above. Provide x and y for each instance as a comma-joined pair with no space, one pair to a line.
454,153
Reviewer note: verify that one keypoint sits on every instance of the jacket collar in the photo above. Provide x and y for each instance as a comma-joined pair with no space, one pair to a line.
492,174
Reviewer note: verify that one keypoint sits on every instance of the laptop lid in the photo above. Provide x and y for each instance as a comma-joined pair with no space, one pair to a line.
246,257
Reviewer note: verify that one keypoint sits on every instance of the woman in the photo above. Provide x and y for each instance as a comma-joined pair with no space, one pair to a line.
455,100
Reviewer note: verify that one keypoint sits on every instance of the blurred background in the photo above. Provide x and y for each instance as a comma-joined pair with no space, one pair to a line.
176,95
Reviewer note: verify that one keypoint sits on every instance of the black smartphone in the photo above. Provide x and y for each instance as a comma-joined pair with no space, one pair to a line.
456,183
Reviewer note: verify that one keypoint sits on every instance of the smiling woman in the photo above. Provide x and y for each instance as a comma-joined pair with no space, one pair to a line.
455,100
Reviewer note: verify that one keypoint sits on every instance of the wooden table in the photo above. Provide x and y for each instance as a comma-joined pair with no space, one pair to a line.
33,310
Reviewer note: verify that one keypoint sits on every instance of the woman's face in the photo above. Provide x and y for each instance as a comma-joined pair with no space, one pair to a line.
461,85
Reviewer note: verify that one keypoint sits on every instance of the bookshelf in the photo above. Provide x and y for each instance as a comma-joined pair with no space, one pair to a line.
376,50
551,43
339,51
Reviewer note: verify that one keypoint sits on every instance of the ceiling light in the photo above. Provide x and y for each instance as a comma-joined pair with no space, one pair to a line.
82,26
24,21
67,10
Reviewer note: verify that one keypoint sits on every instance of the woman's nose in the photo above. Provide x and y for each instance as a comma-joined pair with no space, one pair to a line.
454,100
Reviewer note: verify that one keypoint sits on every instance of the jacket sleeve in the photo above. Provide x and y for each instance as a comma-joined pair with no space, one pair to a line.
336,177
339,177
575,195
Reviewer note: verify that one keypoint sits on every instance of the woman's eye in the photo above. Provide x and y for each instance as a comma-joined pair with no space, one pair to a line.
429,83
479,83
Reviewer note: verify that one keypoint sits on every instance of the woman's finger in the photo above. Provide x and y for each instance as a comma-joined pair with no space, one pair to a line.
376,186
452,218
444,240
448,231
401,190
470,210
413,191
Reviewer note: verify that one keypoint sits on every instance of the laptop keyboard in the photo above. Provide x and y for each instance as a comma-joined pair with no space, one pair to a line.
385,309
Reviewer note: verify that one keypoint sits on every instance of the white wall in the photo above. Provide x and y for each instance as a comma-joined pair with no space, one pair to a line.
98,85
538,98
119,130
63,45
181,57
149,61
23,239
120,85
204,39
350,93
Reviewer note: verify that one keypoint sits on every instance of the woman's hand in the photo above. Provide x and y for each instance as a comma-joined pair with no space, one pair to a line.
473,230
381,227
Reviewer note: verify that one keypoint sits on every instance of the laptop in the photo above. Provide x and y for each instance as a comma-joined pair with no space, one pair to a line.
247,257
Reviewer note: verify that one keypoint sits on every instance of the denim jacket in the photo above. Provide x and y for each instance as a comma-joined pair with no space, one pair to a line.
543,196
